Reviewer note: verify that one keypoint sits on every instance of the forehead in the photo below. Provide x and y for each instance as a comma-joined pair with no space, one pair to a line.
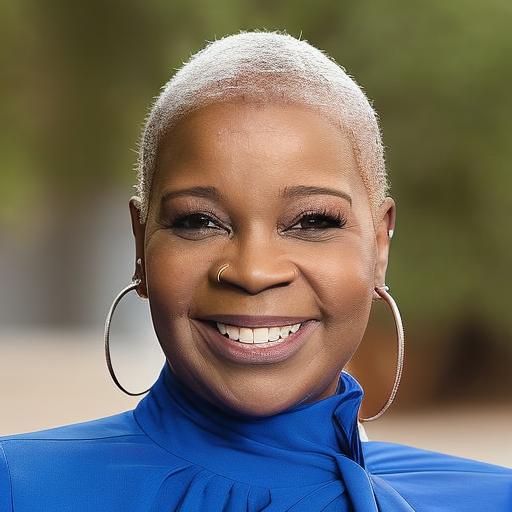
257,147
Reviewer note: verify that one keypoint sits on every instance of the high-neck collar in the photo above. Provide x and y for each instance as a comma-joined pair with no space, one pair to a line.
308,437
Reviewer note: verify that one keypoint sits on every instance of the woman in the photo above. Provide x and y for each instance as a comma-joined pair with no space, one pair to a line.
262,229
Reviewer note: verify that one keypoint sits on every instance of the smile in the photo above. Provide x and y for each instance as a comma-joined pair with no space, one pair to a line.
261,345
258,335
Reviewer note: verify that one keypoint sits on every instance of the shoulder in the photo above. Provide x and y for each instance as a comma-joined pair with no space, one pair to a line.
63,439
413,473
109,426
385,457
34,460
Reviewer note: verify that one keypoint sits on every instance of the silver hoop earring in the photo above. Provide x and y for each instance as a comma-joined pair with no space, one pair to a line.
382,291
131,286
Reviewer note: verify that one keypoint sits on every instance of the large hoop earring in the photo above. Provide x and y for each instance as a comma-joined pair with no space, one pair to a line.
382,292
131,286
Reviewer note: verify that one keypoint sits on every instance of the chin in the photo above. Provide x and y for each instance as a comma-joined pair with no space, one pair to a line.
253,406
257,397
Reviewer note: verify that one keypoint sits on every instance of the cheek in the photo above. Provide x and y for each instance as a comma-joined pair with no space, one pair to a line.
174,277
346,288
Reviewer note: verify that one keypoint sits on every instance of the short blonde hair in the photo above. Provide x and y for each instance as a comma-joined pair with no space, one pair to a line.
264,66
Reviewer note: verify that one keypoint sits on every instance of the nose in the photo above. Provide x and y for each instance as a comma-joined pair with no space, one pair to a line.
254,265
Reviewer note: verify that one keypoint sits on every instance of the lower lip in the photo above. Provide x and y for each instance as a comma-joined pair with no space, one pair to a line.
260,353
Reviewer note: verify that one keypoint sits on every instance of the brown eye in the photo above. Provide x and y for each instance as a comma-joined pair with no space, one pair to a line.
193,222
320,221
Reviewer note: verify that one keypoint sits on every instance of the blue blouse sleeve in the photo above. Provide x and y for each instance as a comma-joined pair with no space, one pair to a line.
5,483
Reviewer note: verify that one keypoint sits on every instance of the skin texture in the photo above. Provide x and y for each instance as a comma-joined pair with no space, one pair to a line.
281,263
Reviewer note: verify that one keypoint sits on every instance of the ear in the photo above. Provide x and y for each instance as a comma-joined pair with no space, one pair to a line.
139,231
385,226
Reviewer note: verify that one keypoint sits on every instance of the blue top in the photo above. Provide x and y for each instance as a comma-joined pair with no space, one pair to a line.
176,451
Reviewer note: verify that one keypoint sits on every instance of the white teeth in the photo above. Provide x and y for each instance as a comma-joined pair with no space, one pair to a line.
285,331
246,335
274,333
260,335
257,335
233,332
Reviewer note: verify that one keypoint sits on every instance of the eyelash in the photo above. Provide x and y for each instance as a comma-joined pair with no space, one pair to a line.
335,218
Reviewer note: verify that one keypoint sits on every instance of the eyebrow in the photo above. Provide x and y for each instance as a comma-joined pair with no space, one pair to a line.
288,192
206,192
309,190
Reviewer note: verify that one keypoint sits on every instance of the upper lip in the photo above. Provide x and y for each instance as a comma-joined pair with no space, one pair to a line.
256,321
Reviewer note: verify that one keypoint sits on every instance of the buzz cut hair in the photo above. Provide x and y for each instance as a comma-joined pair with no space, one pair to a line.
264,66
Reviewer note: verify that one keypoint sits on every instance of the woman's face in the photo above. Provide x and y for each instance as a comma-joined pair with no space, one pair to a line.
275,192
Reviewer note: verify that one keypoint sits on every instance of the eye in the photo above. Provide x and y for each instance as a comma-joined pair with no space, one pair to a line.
320,221
193,222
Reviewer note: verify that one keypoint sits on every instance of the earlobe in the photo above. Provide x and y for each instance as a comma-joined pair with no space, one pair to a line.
141,289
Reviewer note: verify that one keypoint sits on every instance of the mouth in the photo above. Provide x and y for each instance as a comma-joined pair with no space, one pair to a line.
259,345
258,335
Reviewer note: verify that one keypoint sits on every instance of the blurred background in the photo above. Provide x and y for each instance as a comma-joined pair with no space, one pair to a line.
77,81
